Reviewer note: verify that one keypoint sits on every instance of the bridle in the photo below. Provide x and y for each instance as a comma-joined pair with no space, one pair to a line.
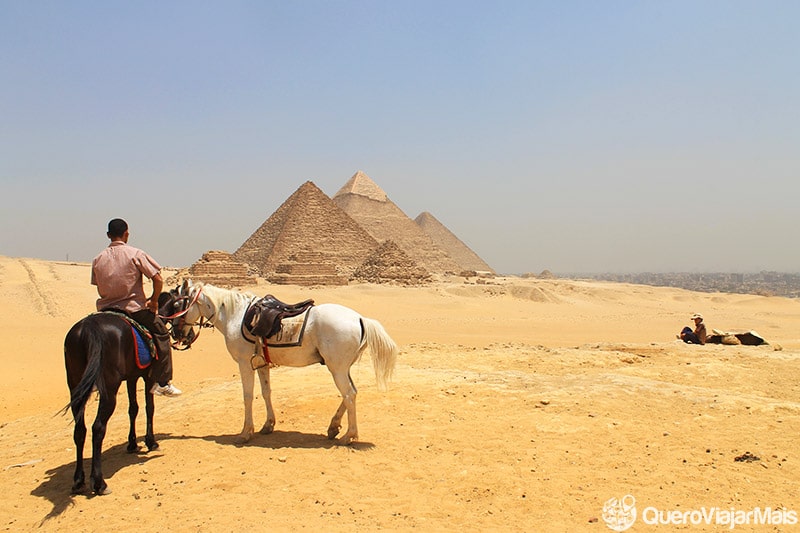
184,344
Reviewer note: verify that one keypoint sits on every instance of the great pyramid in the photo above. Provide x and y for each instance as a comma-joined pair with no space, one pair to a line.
447,241
367,204
307,240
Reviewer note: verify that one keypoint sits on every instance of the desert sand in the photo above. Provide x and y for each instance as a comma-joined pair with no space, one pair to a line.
516,405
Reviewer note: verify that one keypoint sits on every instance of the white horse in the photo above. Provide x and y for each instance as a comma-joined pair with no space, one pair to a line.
334,335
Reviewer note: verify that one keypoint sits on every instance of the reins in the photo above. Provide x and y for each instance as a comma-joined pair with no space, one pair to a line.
180,314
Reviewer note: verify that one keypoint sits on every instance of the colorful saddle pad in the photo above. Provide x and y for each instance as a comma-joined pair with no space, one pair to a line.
143,355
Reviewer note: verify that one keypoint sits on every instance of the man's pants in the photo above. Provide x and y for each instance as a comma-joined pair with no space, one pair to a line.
688,336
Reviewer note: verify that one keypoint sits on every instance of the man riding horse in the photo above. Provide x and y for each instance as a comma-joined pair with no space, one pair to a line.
117,272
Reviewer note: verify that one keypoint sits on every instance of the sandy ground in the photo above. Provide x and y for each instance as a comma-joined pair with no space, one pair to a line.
519,405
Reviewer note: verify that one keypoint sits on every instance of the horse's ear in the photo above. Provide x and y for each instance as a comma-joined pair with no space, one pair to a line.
187,284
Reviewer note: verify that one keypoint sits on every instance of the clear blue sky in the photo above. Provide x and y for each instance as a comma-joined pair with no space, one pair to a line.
575,136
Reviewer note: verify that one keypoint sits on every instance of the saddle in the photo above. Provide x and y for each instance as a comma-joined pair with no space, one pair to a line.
263,317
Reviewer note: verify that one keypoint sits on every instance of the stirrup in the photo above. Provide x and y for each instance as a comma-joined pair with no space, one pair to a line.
257,361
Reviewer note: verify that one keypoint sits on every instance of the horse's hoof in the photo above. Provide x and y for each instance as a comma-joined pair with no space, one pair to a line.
103,491
332,432
152,446
78,488
266,430
133,448
242,439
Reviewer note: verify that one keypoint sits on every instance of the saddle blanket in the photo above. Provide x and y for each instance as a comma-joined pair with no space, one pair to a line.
291,332
143,342
143,355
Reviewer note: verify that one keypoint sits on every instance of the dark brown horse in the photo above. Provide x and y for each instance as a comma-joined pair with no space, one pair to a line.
100,353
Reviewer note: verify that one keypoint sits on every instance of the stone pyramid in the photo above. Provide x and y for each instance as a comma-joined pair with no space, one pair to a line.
307,240
390,264
367,204
447,241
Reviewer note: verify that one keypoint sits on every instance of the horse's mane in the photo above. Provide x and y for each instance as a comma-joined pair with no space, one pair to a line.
225,297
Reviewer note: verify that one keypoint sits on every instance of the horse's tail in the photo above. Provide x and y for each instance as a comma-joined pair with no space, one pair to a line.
92,340
383,349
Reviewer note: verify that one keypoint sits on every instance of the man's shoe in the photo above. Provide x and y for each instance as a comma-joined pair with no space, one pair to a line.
167,390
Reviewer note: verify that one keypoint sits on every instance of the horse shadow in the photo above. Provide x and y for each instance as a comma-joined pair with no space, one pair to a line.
57,485
278,440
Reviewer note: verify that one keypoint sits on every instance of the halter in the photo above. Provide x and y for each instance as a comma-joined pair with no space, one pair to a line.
181,314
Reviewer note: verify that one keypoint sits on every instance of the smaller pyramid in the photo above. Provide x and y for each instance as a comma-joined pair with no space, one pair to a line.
390,264
447,241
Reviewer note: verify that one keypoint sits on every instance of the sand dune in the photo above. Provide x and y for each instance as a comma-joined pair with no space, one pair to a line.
517,404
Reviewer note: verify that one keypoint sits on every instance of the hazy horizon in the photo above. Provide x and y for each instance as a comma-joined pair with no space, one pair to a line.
576,137
575,274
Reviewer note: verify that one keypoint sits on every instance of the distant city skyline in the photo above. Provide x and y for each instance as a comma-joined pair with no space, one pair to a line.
575,136
762,283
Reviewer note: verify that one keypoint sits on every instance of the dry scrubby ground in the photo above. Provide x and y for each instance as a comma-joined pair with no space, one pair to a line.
523,422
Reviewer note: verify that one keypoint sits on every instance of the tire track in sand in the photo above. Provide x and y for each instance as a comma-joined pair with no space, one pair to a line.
41,299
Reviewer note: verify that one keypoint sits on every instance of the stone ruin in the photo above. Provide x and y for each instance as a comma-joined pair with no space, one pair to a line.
390,264
307,268
218,268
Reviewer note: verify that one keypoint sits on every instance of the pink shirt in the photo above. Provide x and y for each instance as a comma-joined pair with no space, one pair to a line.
117,272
